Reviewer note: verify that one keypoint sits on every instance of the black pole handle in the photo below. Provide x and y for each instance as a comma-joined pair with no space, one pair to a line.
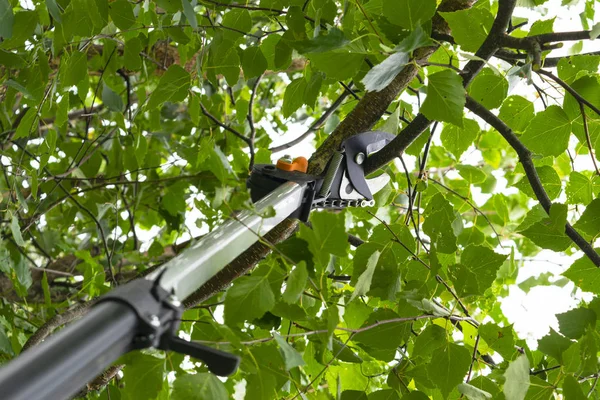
61,366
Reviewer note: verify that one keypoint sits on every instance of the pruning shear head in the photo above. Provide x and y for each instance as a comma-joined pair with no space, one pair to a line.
348,180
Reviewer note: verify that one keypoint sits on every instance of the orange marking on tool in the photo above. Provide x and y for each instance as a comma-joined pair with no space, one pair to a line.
298,164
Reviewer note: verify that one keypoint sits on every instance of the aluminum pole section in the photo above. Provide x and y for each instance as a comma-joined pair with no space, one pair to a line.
66,361
184,274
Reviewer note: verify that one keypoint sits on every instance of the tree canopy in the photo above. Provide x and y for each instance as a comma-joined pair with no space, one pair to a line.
122,120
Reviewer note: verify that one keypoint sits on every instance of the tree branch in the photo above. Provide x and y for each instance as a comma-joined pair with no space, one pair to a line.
317,124
569,89
420,122
250,118
57,321
222,125
531,173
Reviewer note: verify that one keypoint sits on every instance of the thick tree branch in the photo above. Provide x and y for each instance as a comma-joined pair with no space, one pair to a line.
420,122
493,41
531,173
57,321
373,105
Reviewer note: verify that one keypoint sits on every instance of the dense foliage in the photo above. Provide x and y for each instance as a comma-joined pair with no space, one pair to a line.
124,124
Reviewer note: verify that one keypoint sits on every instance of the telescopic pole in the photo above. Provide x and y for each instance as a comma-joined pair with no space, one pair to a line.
141,313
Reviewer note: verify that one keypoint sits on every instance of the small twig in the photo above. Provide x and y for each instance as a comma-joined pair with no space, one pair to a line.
222,125
473,206
473,358
569,89
131,219
438,277
318,123
587,137
541,371
250,118
593,385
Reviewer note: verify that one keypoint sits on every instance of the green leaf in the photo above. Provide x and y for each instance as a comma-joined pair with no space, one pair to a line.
249,298
481,265
23,26
445,98
16,231
75,70
549,233
409,13
282,56
141,148
5,346
432,338
334,39
415,395
471,174
364,280
517,112
254,62
549,131
589,222
554,345
173,87
450,367
541,26
380,76
343,352
517,379
573,323
143,376
6,19
585,275
294,97
457,139
392,124
385,394
572,389
327,236
295,284
473,393
549,178
489,89
131,54
113,101
313,88
539,389
580,189
382,341
499,339
469,35
290,355
219,164
121,12
28,124
11,60
54,10
198,387
190,14
438,223
337,65
572,68
595,31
